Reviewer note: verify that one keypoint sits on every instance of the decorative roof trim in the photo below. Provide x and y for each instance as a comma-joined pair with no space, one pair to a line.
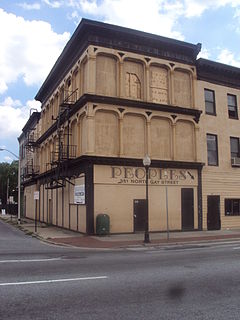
91,32
218,73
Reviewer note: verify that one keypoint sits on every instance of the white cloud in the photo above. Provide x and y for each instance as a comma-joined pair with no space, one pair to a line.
157,16
89,6
194,8
8,159
227,57
3,86
53,4
34,105
237,17
204,53
75,16
12,103
28,49
13,116
32,6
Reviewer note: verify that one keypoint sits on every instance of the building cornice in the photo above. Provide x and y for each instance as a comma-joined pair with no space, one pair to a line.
96,33
218,73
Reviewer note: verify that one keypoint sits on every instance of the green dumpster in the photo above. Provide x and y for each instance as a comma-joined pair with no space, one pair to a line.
102,224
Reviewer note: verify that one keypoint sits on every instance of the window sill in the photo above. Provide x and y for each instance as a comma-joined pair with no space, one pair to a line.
211,114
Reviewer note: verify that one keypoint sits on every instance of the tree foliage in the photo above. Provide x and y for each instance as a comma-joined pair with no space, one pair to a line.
8,180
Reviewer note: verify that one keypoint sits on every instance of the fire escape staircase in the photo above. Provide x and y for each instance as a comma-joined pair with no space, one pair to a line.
63,151
30,169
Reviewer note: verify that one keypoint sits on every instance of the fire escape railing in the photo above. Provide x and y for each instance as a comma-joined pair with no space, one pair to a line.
63,151
30,170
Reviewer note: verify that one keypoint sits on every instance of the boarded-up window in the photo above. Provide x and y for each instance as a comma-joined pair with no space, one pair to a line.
48,155
74,136
133,73
182,88
43,159
134,135
106,133
47,117
184,140
85,77
61,95
106,75
75,85
55,106
83,125
43,115
161,138
159,84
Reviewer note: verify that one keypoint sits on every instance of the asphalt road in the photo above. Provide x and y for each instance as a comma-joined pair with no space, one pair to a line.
41,281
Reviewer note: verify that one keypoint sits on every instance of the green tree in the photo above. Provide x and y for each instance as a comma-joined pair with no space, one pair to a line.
8,180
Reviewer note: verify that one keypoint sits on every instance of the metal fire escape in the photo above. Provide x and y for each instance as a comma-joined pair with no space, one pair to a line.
63,150
30,169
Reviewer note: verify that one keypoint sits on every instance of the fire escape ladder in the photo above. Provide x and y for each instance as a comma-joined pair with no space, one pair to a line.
63,150
31,141
30,169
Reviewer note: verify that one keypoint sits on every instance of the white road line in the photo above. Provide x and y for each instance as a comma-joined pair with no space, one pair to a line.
204,247
51,281
31,260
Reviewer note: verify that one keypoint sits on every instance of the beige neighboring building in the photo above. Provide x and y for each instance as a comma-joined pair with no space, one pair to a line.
218,95
115,95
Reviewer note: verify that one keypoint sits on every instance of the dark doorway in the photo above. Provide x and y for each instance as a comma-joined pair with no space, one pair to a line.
213,213
187,209
139,214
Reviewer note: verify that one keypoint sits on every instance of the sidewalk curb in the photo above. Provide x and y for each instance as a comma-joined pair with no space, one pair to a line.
162,245
120,245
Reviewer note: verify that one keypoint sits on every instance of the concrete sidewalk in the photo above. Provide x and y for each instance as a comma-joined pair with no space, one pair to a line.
65,237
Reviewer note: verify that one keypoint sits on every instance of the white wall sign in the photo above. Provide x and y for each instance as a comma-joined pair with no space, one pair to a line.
79,194
36,195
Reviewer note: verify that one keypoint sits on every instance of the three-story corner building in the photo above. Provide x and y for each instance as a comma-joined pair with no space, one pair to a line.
115,95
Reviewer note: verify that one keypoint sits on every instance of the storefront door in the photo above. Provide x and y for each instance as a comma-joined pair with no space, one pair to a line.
139,214
213,213
187,209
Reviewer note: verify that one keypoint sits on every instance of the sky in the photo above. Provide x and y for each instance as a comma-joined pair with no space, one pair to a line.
34,33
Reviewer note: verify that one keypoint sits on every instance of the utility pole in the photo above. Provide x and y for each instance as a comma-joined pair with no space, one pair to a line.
7,194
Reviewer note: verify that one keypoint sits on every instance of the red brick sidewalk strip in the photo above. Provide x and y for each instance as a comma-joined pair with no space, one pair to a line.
90,242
